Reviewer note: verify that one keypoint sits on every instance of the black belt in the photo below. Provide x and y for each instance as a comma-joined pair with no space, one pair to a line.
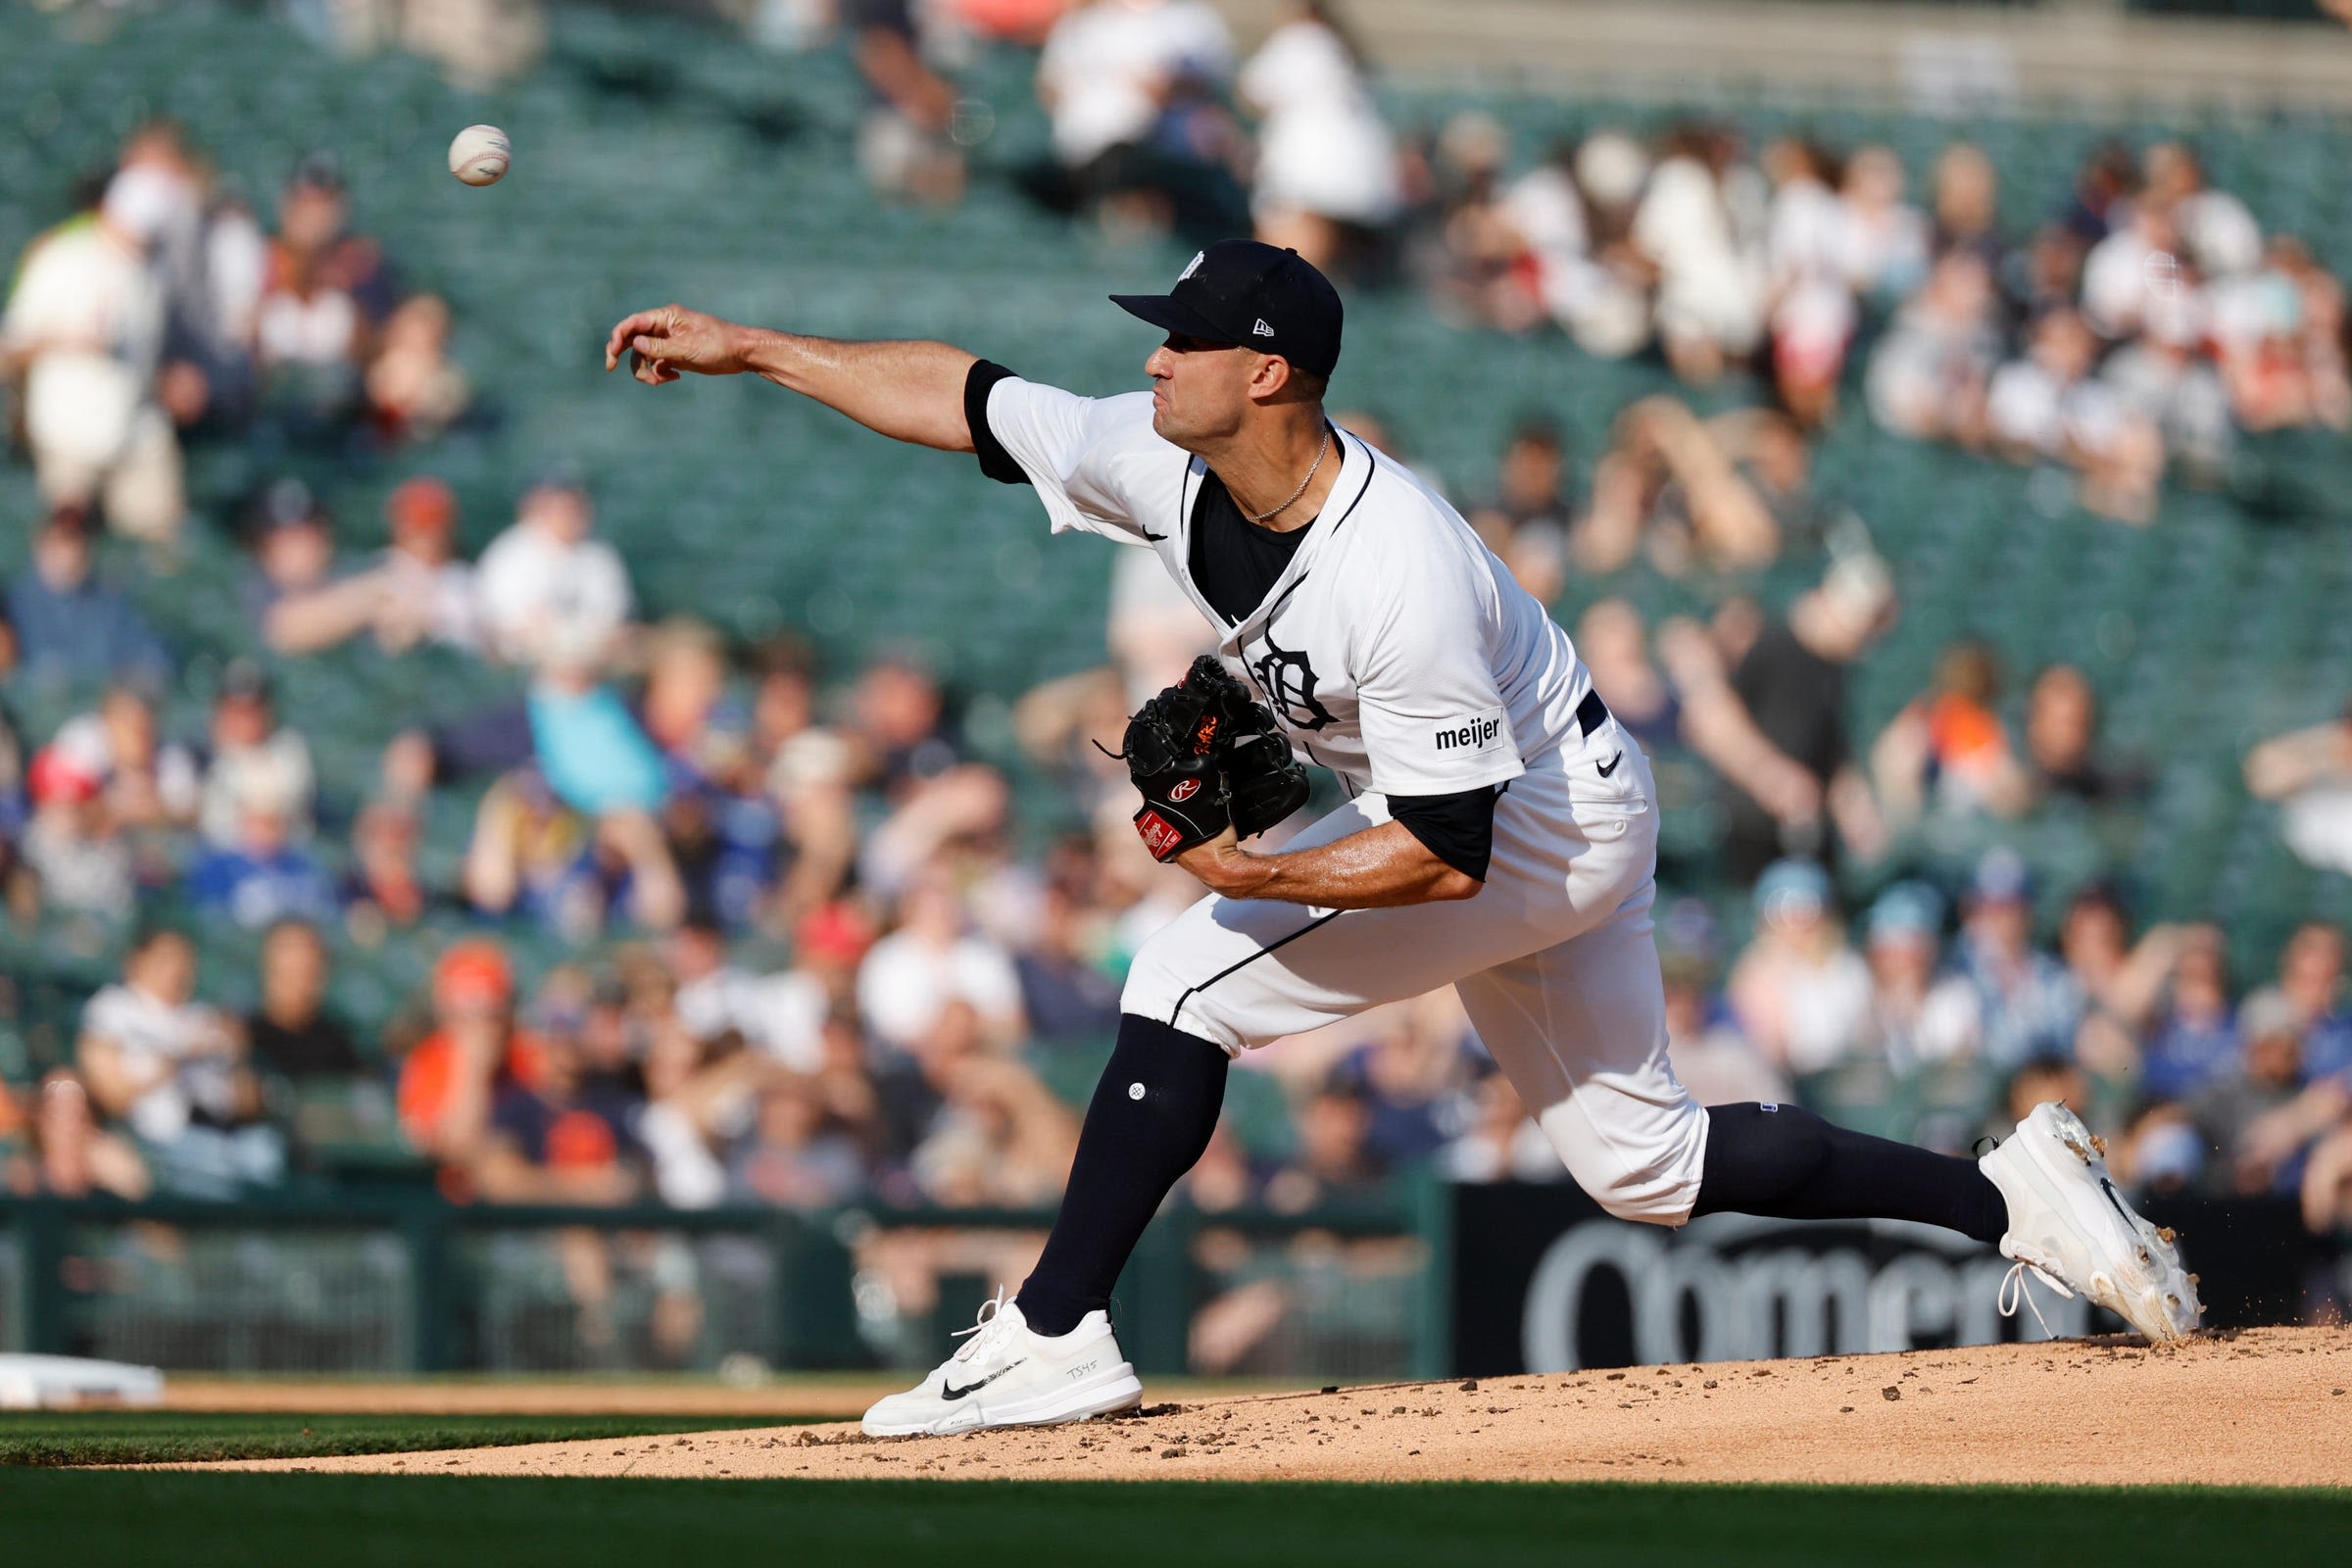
1591,713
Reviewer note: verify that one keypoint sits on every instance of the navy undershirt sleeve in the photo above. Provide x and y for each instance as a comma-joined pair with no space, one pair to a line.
1458,829
994,461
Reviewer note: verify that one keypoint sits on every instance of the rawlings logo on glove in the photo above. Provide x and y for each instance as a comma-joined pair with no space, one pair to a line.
1206,757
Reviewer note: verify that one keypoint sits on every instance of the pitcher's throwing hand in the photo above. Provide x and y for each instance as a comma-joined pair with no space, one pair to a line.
663,343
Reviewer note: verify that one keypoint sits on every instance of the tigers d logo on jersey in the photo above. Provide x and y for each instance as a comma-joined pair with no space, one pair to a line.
1289,682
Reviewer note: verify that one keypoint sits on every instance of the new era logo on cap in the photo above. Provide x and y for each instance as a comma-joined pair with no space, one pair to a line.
1243,293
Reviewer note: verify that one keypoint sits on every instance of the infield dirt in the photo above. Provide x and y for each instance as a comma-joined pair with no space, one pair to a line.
2269,1407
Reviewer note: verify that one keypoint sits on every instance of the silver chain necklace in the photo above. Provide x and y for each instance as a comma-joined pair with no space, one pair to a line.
1302,484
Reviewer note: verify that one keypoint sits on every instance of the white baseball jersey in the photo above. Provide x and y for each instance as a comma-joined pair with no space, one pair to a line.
1395,650
1399,653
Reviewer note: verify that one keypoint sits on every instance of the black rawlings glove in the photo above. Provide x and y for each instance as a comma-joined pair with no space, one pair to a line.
1174,748
1205,757
1263,781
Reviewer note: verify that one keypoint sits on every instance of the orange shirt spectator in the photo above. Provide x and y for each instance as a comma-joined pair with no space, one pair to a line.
448,1081
430,1078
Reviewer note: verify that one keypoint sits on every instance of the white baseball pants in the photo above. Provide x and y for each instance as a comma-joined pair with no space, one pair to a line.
1553,961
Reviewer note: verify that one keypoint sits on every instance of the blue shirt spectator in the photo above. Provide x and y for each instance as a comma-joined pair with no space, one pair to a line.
594,756
2311,990
2184,1055
2030,1004
2194,1040
70,626
262,878
2328,1047
257,890
1411,1082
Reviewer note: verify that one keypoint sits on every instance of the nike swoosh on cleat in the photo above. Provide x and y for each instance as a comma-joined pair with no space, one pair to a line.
1610,766
949,1391
2108,1186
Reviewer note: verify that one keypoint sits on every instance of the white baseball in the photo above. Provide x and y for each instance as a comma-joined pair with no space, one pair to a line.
480,155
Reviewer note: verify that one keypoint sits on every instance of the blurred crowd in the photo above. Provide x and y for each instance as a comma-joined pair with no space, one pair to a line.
164,308
2135,323
2140,326
729,926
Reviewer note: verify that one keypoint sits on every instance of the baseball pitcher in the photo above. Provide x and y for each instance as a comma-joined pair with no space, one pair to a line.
1500,834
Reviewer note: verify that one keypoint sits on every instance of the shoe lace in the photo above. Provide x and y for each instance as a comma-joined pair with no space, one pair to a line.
2013,1291
990,1316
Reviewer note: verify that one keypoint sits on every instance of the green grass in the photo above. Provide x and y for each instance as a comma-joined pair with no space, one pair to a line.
173,1437
92,1519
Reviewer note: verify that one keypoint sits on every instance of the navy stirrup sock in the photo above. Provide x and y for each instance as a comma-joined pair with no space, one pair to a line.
1785,1162
1152,1116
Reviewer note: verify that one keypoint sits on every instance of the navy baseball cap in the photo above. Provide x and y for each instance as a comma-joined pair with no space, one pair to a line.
1240,291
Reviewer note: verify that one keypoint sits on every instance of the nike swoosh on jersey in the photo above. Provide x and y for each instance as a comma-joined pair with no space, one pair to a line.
949,1391
1610,766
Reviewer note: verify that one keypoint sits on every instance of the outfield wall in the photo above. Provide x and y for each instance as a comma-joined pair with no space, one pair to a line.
1443,1281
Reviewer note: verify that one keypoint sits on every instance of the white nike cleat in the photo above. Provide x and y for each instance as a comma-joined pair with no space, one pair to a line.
2070,1225
1006,1375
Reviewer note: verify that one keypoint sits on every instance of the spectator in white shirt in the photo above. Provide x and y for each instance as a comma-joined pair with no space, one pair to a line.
1326,162
86,321
174,1071
1697,223
782,1016
73,844
2049,406
934,958
1571,213
1883,243
1108,69
1919,1015
417,592
546,583
1800,991
430,595
2122,270
253,758
2215,230
2167,377
1927,377
1806,245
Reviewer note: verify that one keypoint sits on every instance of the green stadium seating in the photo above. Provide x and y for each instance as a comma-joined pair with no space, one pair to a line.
726,176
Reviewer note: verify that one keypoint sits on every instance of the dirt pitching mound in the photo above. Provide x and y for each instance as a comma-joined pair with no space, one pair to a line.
844,1398
2263,1407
